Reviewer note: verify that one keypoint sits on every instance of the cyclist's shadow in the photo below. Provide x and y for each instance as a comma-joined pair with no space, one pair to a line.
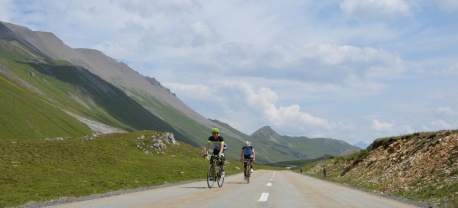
241,182
201,187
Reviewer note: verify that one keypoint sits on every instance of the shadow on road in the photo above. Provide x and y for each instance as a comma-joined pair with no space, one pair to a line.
201,187
236,182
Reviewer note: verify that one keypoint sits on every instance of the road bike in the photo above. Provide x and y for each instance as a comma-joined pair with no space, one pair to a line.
214,172
246,165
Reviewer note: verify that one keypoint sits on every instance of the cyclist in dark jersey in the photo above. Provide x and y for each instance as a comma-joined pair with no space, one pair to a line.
249,154
218,147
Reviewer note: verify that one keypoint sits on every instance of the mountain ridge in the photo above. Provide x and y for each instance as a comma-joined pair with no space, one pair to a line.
45,51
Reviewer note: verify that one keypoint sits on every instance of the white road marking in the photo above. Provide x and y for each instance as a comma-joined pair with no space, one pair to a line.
269,184
263,197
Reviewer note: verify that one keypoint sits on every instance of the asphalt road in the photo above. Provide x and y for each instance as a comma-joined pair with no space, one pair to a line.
267,189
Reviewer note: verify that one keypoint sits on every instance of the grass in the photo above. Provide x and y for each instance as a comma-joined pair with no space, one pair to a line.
43,170
24,115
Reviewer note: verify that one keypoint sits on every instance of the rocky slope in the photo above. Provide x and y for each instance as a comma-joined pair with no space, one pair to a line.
421,167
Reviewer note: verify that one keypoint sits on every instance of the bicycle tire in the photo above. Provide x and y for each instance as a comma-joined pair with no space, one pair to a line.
220,180
247,171
211,180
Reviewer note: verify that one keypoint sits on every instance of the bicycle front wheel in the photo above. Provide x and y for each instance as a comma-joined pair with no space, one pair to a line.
220,180
211,176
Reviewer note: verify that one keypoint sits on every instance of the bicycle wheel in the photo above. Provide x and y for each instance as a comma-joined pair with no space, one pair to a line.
247,171
220,180
211,176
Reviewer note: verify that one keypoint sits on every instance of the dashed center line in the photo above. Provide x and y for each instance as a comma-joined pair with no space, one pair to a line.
263,197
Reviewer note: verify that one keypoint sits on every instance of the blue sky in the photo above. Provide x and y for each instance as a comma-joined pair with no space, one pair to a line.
354,70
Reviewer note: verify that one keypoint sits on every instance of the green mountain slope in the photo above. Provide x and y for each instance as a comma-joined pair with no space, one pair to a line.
24,113
299,148
64,87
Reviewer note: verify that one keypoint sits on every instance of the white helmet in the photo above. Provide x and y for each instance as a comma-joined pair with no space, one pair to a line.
247,143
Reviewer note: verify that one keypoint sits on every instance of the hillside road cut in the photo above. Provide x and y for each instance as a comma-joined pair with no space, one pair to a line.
267,188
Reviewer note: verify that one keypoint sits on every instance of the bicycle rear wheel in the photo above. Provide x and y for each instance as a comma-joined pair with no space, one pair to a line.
211,176
247,171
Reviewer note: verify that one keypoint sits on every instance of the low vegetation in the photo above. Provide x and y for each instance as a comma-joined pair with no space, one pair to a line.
421,167
48,169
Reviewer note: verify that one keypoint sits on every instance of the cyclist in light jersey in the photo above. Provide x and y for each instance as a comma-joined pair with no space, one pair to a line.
248,153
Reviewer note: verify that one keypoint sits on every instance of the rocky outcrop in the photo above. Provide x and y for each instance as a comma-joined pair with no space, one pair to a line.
158,143
421,166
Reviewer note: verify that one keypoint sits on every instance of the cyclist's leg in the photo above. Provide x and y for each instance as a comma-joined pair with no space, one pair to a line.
223,160
251,161
245,164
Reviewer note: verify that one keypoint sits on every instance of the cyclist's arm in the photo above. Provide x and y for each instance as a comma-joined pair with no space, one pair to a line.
254,154
221,149
207,147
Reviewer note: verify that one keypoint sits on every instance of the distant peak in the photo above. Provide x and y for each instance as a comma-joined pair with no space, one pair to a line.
265,131
266,128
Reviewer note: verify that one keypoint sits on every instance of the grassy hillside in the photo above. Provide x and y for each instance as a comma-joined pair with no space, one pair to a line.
192,131
286,148
300,163
24,113
65,87
41,170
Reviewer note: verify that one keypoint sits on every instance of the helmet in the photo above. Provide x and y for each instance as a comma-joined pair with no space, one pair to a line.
215,130
247,143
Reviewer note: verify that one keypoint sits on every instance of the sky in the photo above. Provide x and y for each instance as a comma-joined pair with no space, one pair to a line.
352,70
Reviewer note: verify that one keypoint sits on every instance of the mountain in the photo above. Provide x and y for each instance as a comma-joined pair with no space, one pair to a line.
361,144
298,148
40,51
54,90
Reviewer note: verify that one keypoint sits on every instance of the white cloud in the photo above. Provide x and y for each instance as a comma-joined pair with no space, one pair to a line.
382,126
448,5
441,124
446,112
375,8
282,116
5,10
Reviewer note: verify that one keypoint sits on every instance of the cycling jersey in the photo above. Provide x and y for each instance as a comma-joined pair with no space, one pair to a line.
247,151
217,142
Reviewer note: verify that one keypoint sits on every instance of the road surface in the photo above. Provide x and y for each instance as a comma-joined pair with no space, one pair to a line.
267,188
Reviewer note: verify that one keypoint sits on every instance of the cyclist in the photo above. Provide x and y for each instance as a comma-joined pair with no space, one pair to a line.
248,153
218,147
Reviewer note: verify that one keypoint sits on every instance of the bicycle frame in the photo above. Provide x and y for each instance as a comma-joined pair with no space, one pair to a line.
214,172
246,163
